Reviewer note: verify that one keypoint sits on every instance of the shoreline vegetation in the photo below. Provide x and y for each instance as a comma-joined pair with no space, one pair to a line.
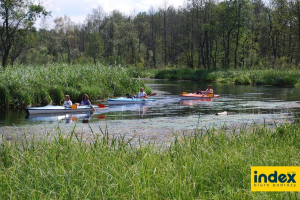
23,86
282,78
209,164
47,84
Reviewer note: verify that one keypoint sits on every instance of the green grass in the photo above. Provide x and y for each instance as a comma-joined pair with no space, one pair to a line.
289,78
209,164
40,85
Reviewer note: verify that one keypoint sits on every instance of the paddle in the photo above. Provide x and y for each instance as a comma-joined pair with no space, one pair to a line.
153,94
100,105
184,92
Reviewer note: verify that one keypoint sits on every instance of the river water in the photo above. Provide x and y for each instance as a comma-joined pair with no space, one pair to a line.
168,114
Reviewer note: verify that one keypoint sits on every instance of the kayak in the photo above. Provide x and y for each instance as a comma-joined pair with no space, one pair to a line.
61,109
123,100
198,96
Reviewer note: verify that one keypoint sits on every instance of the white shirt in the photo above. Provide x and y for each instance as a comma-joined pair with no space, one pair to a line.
67,103
141,94
209,91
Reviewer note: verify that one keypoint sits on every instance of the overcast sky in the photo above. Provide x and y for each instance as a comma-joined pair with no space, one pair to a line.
78,10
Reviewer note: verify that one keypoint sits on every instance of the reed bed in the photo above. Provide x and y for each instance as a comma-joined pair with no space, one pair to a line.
41,85
290,78
210,164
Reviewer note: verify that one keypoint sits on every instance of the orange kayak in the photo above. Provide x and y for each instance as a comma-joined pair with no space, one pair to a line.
198,96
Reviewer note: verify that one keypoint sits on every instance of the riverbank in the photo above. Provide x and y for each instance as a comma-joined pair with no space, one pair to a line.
283,78
42,85
204,164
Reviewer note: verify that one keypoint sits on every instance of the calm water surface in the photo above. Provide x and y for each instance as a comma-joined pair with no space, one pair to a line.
239,101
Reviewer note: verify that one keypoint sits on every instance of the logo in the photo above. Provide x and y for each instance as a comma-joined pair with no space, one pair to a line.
275,178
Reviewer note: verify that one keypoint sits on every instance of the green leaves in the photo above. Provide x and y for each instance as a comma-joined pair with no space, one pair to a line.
17,14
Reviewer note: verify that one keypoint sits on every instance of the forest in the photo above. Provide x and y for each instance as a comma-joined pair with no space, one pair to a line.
202,34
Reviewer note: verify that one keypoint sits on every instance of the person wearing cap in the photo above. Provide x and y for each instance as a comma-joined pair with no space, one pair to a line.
198,91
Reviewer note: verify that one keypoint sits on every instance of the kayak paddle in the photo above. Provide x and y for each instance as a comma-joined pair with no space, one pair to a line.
100,105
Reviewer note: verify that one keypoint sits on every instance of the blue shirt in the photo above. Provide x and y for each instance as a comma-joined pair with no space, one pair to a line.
86,102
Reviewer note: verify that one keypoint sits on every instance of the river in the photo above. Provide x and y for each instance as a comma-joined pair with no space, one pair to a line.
168,115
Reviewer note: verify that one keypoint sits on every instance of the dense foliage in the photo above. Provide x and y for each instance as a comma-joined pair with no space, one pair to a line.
283,78
40,85
17,18
209,165
238,34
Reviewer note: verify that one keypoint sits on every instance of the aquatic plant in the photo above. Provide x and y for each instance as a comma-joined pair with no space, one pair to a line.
40,85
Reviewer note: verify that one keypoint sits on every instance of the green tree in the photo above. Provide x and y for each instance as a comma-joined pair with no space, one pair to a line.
15,15
94,46
65,31
23,41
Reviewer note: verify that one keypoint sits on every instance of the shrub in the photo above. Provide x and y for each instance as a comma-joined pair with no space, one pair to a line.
56,94
75,94
242,80
4,95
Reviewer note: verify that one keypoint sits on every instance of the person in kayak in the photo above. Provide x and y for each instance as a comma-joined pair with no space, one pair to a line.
68,102
209,90
130,96
86,101
142,94
199,91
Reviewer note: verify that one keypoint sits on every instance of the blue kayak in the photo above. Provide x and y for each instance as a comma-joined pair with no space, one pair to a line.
123,100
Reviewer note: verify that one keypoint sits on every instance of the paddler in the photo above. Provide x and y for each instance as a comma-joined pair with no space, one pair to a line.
198,91
209,90
142,94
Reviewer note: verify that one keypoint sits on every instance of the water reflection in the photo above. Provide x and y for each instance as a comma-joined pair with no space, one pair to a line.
130,109
66,118
114,112
194,101
86,118
143,110
238,100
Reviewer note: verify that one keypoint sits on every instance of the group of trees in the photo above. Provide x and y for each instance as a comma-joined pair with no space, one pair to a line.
202,34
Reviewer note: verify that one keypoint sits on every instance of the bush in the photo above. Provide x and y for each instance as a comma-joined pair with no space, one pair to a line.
56,94
242,80
75,94
4,95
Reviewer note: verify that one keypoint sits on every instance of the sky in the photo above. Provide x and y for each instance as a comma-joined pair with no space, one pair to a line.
78,10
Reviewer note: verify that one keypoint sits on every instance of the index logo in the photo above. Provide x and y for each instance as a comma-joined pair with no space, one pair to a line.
275,178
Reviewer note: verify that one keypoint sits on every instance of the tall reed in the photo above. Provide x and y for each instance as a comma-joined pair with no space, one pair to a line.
41,85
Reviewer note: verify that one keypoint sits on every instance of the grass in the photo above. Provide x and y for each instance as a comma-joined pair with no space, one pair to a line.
283,78
41,85
210,164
